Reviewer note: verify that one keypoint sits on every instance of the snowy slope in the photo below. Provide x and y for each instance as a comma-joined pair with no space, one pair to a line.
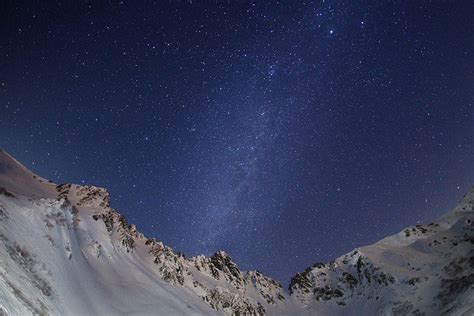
423,269
65,251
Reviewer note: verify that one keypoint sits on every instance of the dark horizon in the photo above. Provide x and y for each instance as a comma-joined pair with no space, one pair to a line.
284,134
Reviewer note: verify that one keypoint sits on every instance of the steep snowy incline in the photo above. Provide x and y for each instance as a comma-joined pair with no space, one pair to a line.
64,250
425,269
18,179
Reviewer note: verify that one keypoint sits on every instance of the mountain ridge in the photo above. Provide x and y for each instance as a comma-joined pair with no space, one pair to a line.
76,225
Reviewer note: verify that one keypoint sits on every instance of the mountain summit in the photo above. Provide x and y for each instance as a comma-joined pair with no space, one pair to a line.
64,250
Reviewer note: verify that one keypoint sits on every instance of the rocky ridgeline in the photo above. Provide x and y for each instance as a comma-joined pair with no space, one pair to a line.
127,232
170,265
84,195
268,288
349,276
420,230
98,198
230,293
233,303
423,270
420,267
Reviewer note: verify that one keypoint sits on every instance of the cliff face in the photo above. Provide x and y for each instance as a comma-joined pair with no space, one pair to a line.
64,250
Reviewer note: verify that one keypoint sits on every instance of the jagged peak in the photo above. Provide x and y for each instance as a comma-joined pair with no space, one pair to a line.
83,188
221,259
84,195
221,254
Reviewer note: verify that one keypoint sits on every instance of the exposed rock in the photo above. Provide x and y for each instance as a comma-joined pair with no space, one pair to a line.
6,192
221,299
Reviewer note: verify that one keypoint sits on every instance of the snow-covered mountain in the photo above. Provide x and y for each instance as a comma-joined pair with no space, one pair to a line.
65,251
423,270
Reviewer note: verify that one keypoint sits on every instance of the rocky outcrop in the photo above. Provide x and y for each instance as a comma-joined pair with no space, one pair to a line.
268,288
351,275
228,269
84,195
6,192
170,265
236,304
178,270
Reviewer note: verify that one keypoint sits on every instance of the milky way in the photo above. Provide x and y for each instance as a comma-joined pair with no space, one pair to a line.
285,133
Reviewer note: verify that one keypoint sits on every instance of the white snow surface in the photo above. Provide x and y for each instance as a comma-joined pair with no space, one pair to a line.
65,251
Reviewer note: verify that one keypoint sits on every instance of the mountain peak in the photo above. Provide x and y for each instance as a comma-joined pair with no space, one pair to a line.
70,236
84,195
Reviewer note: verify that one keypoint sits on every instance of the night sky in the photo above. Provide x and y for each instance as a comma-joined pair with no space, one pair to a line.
285,133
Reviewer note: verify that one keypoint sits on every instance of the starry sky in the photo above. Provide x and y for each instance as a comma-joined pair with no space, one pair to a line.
285,133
